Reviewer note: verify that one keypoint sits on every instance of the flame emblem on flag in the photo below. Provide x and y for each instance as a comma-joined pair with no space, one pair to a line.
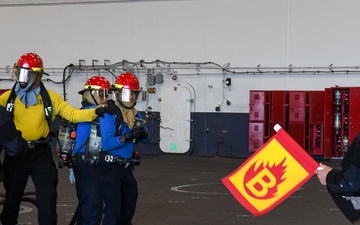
269,176
262,181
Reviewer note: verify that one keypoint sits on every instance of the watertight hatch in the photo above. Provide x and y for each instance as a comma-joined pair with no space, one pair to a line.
175,114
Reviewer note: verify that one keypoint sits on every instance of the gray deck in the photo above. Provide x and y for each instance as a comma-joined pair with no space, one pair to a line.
187,190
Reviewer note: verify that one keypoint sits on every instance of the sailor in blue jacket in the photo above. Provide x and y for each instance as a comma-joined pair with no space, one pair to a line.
86,153
119,134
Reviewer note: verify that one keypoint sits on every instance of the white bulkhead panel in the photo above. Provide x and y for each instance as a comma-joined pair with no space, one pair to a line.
175,114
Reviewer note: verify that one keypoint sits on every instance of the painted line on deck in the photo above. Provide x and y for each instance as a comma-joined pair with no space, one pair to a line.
179,189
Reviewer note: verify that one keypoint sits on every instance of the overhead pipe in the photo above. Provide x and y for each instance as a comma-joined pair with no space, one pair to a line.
204,68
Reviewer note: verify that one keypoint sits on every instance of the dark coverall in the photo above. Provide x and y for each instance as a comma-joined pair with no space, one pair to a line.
345,182
87,179
10,137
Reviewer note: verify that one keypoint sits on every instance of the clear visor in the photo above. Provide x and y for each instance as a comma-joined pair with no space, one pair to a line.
105,94
23,75
126,95
96,97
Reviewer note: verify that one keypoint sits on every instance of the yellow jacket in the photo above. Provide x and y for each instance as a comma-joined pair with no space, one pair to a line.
31,120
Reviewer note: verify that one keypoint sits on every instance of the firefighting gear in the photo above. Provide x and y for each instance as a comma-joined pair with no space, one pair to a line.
30,98
96,83
127,89
30,117
137,133
29,70
95,89
66,139
88,141
117,159
111,135
38,163
94,140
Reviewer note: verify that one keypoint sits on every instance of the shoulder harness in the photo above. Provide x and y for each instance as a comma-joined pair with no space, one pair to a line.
44,95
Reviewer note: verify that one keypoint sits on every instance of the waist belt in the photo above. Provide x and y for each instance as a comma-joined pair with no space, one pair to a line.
106,157
41,141
81,158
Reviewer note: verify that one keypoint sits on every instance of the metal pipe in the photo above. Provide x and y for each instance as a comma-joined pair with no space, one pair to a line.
205,68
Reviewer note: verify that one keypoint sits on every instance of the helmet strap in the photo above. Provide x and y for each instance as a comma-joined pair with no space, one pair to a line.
93,97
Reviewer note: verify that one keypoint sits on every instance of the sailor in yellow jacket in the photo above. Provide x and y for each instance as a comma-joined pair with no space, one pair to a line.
32,108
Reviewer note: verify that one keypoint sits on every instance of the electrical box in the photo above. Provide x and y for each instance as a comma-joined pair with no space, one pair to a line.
342,119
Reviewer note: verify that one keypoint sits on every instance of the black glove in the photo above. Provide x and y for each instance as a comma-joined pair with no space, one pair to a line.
111,104
141,134
129,136
134,135
105,109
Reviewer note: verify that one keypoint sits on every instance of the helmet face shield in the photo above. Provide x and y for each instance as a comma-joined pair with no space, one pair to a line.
25,76
102,93
126,95
97,97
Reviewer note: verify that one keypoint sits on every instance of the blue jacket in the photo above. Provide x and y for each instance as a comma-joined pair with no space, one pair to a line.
82,134
110,142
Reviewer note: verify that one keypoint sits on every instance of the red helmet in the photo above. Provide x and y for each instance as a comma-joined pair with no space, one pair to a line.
29,70
127,81
96,90
96,83
127,89
31,61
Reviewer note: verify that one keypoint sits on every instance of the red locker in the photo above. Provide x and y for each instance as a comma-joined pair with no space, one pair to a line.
256,136
297,102
297,132
316,123
278,106
316,107
278,110
258,106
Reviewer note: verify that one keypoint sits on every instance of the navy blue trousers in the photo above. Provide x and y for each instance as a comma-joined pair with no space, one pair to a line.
88,191
120,193
39,164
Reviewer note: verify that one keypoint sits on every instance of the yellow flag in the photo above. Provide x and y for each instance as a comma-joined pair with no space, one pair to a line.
271,174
